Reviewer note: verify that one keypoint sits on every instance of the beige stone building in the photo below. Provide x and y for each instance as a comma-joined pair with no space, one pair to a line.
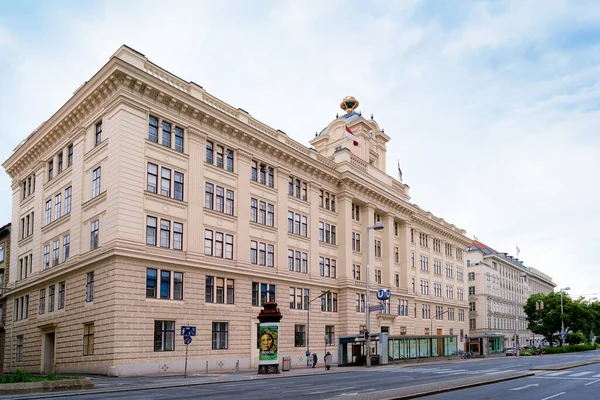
4,278
495,281
145,204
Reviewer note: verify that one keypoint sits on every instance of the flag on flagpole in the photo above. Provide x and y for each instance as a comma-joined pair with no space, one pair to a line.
518,251
351,136
399,171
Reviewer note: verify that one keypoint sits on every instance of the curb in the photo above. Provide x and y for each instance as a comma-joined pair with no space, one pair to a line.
561,367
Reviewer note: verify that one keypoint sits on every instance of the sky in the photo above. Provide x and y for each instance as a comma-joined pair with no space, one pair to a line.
492,106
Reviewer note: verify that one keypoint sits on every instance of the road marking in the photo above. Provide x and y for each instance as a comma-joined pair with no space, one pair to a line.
554,395
582,373
558,373
501,372
596,376
592,382
526,386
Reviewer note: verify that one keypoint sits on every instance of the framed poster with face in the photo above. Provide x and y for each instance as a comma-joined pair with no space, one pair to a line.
268,343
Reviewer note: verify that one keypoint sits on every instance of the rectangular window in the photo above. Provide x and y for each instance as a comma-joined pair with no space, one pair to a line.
166,134
356,272
177,236
61,295
253,210
229,164
396,255
209,288
20,342
60,162
57,206
88,339
230,291
209,195
89,287
42,302
151,283
178,186
229,247
55,252
68,193
50,170
96,182
94,230
471,290
151,230
178,139
219,199
300,335
271,217
229,202
219,157
98,135
261,293
177,286
220,335
164,335
271,255
46,257
208,242
153,129
51,295
165,182
209,153
70,155
165,233
165,284
360,303
48,212
152,185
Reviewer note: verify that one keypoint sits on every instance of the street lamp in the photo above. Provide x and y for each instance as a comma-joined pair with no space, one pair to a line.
308,325
518,351
378,226
562,322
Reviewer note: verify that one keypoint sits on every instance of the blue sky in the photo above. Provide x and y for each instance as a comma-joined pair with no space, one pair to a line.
492,106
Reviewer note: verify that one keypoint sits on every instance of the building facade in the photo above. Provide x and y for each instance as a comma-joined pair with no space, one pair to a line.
499,285
146,204
4,278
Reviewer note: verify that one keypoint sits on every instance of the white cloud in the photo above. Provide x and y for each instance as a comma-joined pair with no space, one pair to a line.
489,138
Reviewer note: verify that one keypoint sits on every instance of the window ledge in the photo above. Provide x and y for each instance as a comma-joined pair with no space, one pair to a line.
259,185
25,202
94,201
259,225
96,149
56,178
171,200
171,150
219,214
25,240
53,224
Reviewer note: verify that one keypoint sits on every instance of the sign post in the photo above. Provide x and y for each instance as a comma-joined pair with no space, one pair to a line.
187,332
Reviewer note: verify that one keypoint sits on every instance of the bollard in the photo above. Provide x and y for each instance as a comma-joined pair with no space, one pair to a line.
237,367
207,367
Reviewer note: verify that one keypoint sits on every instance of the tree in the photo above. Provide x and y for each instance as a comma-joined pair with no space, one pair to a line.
575,337
547,320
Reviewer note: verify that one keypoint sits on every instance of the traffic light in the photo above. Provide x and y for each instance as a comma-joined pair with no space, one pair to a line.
366,335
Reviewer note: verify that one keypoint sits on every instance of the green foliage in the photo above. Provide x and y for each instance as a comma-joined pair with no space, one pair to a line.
569,349
527,353
575,338
20,376
598,339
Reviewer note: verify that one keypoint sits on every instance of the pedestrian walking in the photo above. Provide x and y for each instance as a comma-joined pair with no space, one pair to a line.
328,361
315,358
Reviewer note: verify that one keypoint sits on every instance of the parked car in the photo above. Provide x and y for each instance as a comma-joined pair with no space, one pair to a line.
510,351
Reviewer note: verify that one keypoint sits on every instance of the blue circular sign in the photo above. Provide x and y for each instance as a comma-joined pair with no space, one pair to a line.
187,339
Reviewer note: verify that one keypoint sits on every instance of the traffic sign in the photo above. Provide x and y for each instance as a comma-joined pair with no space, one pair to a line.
563,336
383,294
187,339
376,307
188,331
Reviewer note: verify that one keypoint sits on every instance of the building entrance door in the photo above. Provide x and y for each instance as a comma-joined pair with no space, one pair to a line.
49,344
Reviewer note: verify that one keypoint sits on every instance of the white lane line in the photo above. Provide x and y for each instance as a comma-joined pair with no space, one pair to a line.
596,376
592,382
582,373
526,386
554,395
501,372
558,373
331,390
443,371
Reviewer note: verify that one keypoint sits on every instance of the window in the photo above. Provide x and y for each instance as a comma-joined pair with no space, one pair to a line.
153,129
165,284
262,253
327,267
424,263
61,295
459,254
217,250
459,294
178,185
449,270
413,284
378,276
299,298
229,202
165,182
68,193
70,155
152,174
425,311
151,230
396,229
57,206
360,303
412,259
46,257
461,315
450,292
472,306
424,287
472,323
94,229
327,233
439,312
217,160
21,308
403,308
355,241
164,335
178,139
471,290
177,285
166,134
98,134
165,233
51,295
50,170
329,302
330,335
96,182
177,236
220,335
471,276
327,200
151,283
448,249
89,287
423,239
261,292
218,198
437,267
297,188
88,339
300,335
437,243
378,248
219,290
48,212
396,255
55,252
20,342
437,289
42,302
397,279
262,173
356,272
297,224
355,212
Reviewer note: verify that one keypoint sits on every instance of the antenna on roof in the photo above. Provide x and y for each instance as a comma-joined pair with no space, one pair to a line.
371,116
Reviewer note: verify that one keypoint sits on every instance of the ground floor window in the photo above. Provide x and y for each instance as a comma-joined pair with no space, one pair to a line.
330,335
220,335
300,335
88,339
20,342
164,335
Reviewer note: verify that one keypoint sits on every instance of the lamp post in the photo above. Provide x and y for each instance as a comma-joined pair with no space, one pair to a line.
308,326
378,226
562,321
517,349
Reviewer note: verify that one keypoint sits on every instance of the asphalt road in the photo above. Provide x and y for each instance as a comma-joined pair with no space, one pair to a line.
362,381
581,383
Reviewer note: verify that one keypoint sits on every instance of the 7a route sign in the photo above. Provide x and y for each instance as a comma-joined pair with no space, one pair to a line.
188,331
